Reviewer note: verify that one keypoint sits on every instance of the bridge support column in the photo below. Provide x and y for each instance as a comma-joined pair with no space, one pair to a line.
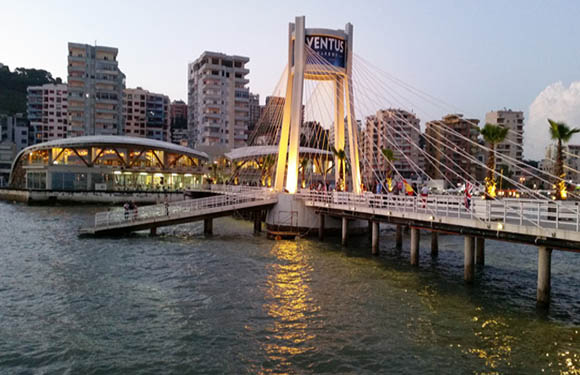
153,231
544,275
399,237
375,237
321,227
468,262
434,244
480,251
344,231
415,236
208,226
257,222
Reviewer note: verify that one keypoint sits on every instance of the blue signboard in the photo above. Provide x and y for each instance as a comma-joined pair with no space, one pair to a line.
331,49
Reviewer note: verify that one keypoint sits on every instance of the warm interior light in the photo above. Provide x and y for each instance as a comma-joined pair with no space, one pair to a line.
499,226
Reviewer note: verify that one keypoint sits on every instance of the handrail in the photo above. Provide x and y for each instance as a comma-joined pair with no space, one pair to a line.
176,209
528,212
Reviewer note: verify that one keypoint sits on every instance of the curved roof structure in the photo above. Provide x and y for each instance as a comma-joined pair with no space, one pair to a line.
116,140
254,151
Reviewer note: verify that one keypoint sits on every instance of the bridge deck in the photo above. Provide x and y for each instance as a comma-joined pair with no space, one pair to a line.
121,221
552,223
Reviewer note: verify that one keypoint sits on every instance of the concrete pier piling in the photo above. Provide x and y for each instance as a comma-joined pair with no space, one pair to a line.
480,251
321,227
344,231
399,237
257,222
469,254
434,244
208,226
415,237
375,237
544,275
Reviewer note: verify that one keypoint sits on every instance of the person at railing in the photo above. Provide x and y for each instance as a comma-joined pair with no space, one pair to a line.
126,208
424,194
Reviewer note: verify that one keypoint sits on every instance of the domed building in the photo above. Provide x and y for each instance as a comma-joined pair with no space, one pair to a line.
107,163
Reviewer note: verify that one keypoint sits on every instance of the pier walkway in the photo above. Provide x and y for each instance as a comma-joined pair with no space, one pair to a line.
227,202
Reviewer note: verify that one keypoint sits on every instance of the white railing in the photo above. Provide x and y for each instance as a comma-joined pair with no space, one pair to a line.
526,212
172,210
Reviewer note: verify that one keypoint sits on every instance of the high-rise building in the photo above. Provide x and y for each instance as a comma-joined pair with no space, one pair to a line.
449,149
254,106
394,129
178,122
46,108
218,102
146,114
512,146
95,91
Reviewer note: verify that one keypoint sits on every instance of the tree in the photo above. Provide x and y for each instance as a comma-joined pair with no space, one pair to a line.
266,170
390,156
340,156
492,134
561,133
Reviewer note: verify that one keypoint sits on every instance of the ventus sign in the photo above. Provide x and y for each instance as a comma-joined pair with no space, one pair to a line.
332,49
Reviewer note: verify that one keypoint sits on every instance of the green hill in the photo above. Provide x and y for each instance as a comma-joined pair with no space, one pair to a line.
13,86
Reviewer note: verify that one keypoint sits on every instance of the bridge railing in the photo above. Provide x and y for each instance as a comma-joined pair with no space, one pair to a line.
176,209
543,214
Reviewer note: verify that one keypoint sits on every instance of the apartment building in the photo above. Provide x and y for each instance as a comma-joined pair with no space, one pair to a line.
254,113
47,111
178,122
95,91
395,129
15,129
447,141
146,114
513,145
218,102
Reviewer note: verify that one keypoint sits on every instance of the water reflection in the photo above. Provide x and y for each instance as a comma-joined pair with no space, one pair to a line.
289,303
495,344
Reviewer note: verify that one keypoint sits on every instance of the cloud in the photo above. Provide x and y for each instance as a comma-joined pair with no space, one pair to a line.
557,102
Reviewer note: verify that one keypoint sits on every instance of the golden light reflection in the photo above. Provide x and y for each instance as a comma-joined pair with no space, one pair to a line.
290,305
496,345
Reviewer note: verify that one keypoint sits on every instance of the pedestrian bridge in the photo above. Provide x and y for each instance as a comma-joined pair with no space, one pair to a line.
228,201
552,223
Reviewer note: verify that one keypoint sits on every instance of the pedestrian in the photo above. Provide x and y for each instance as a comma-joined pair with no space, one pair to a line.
424,194
126,207
166,207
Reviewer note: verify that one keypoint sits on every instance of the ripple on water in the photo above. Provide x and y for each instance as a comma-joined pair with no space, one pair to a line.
235,303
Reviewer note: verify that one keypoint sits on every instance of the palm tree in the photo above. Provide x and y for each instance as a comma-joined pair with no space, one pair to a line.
390,156
266,170
492,134
562,133
340,156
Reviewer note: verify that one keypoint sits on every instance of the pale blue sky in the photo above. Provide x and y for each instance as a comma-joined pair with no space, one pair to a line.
478,55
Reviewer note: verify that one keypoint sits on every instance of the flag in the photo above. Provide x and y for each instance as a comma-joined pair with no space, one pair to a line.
468,191
408,188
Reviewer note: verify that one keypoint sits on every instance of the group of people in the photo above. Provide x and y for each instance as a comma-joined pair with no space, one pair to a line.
130,208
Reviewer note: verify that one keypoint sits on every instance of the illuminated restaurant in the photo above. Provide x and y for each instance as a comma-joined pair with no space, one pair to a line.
107,163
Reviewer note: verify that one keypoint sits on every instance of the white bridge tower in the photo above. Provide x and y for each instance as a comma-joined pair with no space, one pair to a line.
334,48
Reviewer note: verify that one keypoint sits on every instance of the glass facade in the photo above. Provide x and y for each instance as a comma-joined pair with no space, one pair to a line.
106,168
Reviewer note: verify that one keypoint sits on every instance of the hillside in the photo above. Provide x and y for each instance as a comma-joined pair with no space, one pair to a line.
13,86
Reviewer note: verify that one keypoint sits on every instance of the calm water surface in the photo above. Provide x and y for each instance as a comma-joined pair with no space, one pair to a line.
234,303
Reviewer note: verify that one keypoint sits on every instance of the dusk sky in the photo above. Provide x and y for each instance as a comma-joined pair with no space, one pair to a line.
479,55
